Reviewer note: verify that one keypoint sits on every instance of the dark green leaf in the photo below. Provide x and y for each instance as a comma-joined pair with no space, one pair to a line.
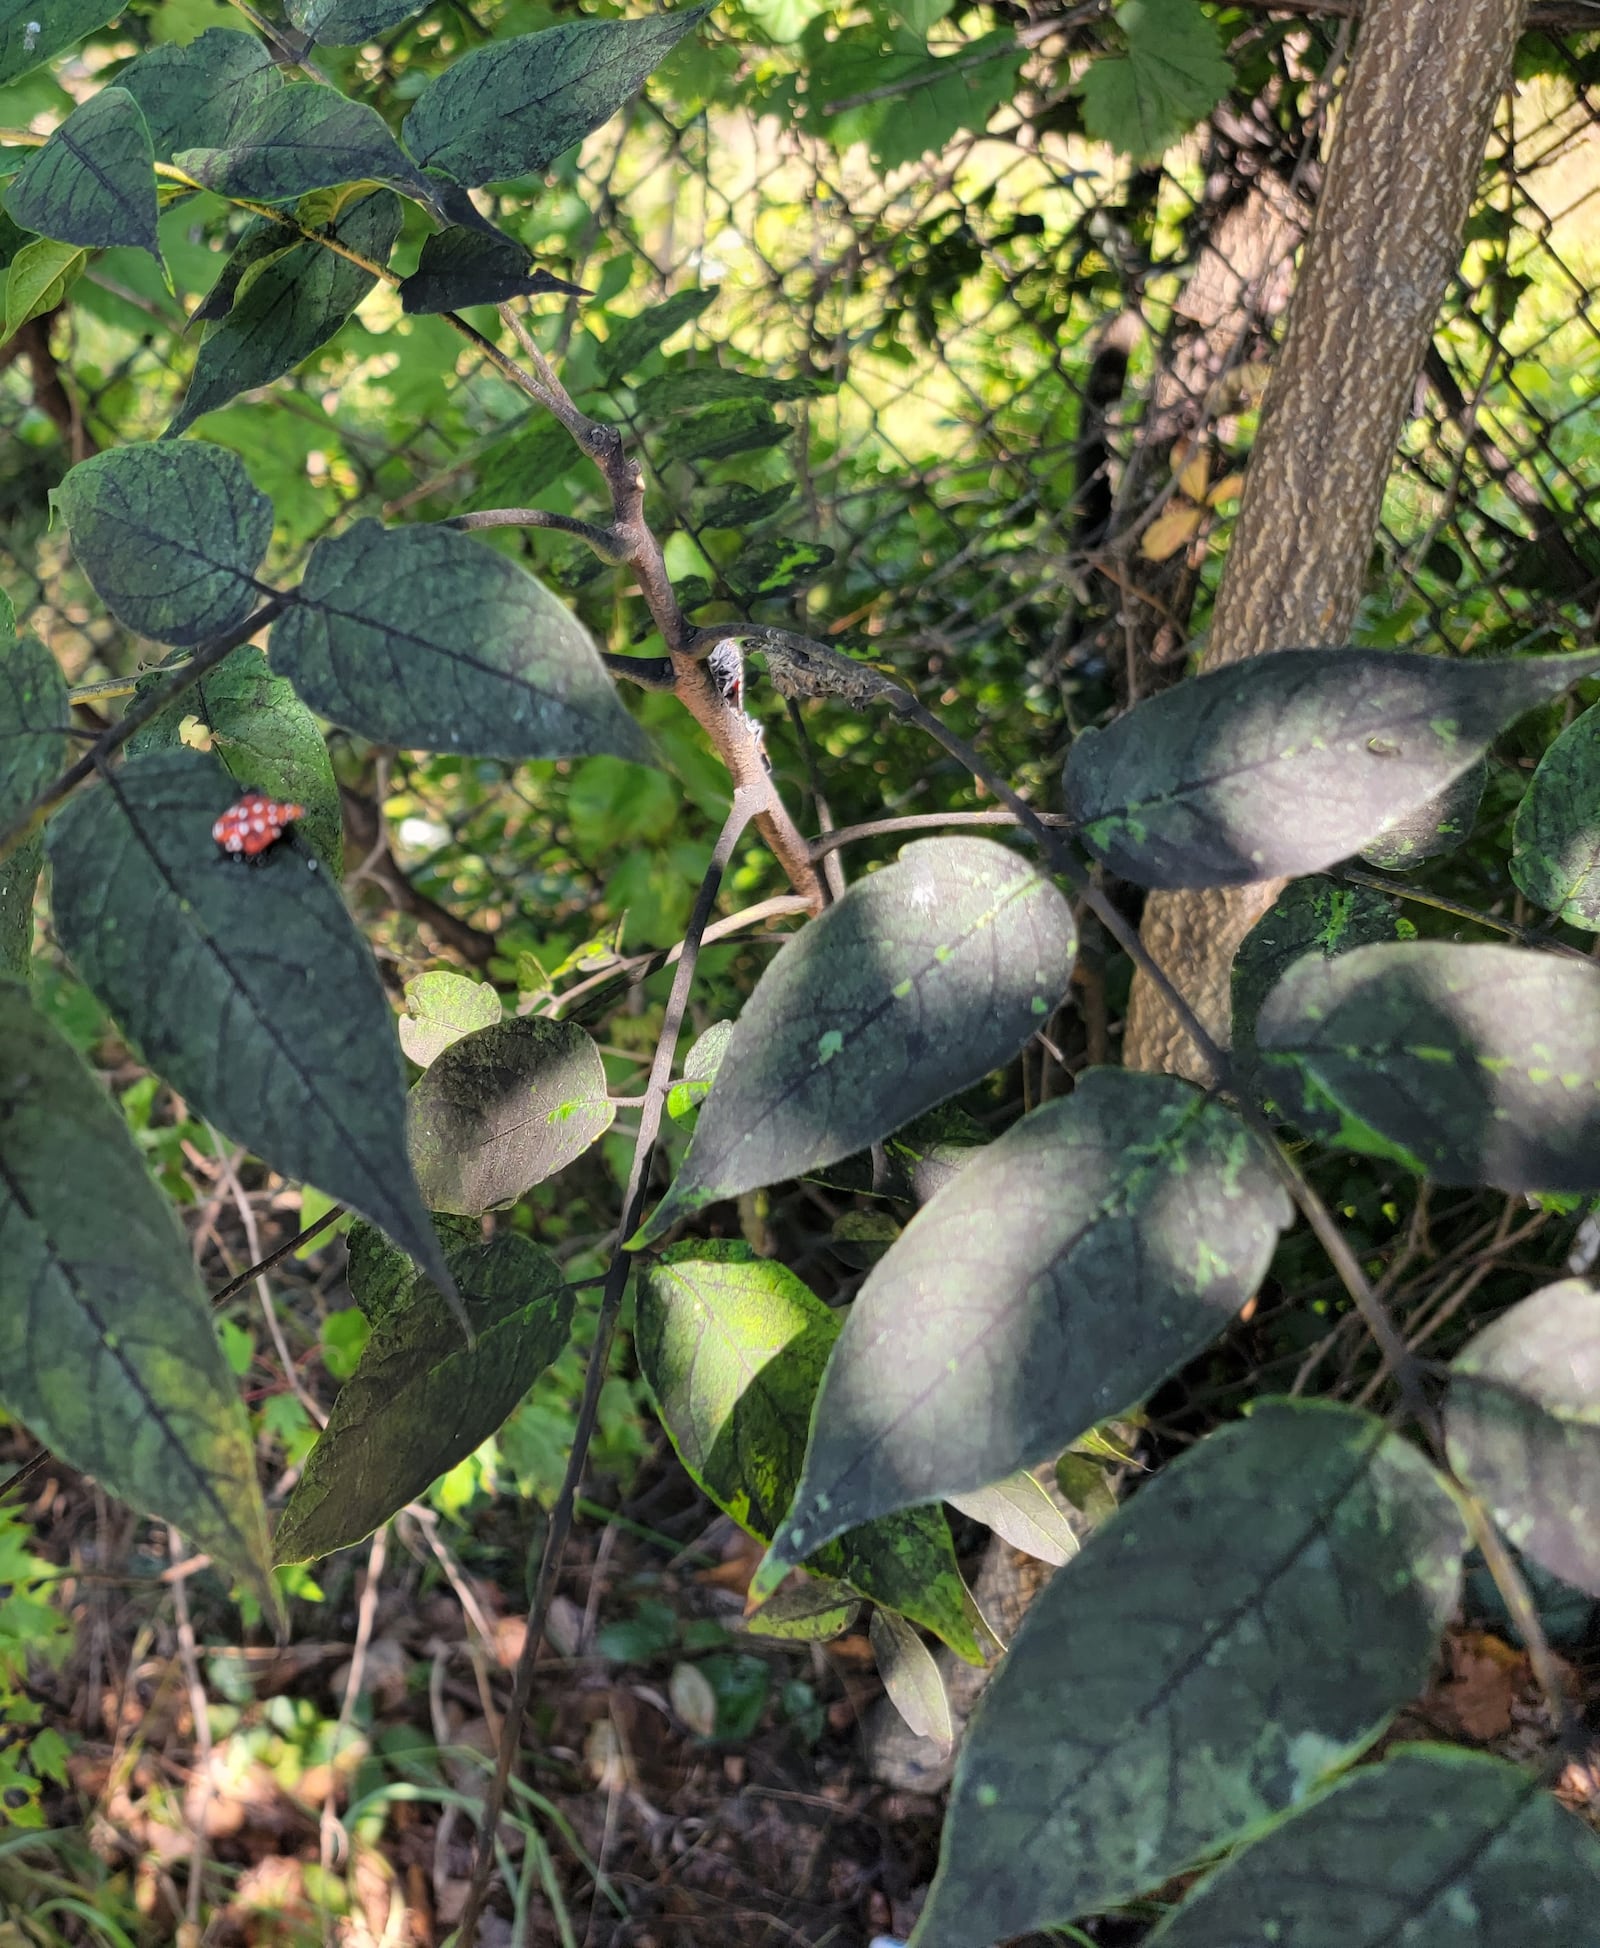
299,138
515,468
199,93
1523,1426
94,181
19,880
502,1109
35,31
1473,1065
266,739
106,1346
248,988
425,638
38,278
170,535
912,1678
916,984
258,241
418,1401
636,338
1437,826
676,392
1555,841
717,432
775,564
1171,77
1311,916
459,267
347,23
1245,1625
1070,1268
733,1348
739,1684
294,303
1435,1848
33,720
510,108
739,506
441,1007
1284,764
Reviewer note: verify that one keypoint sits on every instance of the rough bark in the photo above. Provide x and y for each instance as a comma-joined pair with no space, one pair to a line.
1413,121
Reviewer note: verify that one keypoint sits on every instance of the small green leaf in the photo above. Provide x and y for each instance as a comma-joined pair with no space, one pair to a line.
733,1348
509,108
808,1609
911,1677
425,638
441,1007
1285,764
106,1343
503,1108
347,23
33,32
700,1068
1239,1630
460,267
1523,1426
1071,1267
1477,1065
718,432
249,989
33,722
298,138
1435,1848
418,1402
94,181
295,301
199,93
916,984
677,392
1555,840
169,535
38,279
1020,1512
1171,77
634,339
265,737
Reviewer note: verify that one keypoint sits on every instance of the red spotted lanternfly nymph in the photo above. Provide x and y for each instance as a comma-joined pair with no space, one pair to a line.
253,823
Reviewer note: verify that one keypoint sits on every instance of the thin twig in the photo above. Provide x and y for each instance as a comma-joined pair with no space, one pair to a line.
642,966
332,1837
744,805
883,828
1528,936
278,1253
247,1217
189,1657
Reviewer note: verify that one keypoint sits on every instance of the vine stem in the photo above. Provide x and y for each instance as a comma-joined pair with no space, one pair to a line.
561,1516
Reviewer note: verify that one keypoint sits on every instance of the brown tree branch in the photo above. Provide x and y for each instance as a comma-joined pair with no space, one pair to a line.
1549,15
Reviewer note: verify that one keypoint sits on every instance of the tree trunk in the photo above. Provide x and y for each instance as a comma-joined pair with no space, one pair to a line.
1413,120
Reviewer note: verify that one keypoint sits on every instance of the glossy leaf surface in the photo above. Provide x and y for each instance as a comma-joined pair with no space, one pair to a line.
1073,1265
915,984
1240,1629
264,737
509,108
247,987
503,1108
733,1348
425,638
107,1349
1474,1065
1523,1427
170,536
1435,1848
93,182
419,1401
1285,764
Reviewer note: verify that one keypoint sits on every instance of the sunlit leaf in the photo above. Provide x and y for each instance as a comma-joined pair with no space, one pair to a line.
38,278
1285,764
915,984
1435,827
1436,1848
248,988
911,1677
1071,1266
509,108
1170,531
733,1348
1021,1513
418,1401
503,1108
169,535
1171,77
1475,1065
106,1346
441,1007
428,639
94,181
1239,1630
1523,1426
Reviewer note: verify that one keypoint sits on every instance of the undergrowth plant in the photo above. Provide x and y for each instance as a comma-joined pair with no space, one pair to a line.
1198,1681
